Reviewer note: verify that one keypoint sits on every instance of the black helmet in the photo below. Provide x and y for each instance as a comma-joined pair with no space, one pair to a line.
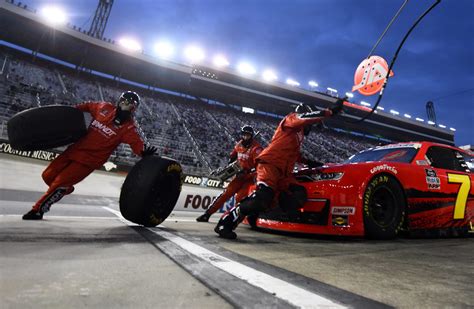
247,129
125,110
131,97
303,108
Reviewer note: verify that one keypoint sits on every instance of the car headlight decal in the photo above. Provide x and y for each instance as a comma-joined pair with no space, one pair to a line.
327,176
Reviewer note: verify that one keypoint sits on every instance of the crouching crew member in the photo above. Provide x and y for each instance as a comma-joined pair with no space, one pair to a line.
275,165
245,152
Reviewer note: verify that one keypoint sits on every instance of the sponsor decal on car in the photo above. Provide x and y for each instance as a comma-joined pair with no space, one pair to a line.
432,179
430,173
340,220
434,186
384,167
422,162
410,145
343,210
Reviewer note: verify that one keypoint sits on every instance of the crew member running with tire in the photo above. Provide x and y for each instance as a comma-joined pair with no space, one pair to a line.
110,126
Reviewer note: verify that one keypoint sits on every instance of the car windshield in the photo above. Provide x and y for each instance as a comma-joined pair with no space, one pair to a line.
389,154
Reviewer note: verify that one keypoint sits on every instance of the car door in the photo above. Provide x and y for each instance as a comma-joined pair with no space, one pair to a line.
450,176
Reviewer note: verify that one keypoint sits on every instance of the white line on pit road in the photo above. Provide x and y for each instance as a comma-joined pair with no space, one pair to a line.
281,289
66,217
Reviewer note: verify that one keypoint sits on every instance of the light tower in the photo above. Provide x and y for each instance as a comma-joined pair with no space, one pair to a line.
101,16
430,111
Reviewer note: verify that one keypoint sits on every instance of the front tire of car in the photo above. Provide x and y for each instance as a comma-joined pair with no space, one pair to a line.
384,207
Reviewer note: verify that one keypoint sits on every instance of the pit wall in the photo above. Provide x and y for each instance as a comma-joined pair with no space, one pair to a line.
198,192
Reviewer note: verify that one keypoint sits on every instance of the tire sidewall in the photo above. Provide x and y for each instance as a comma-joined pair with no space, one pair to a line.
46,127
145,184
373,229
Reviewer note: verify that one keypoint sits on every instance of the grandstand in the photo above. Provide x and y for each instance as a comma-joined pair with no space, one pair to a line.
198,134
188,115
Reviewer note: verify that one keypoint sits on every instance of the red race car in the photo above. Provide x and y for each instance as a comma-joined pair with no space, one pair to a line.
382,191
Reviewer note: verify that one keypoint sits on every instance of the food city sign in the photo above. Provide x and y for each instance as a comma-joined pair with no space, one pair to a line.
204,181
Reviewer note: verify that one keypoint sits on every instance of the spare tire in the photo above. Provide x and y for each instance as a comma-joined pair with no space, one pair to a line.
46,127
150,190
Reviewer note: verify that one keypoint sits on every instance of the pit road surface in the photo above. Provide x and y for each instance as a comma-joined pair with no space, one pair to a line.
84,254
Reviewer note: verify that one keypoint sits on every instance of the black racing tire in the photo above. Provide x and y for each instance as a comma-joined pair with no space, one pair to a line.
252,221
384,207
150,190
42,128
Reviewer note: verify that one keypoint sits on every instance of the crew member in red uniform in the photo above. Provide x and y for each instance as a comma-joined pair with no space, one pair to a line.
111,125
245,152
275,165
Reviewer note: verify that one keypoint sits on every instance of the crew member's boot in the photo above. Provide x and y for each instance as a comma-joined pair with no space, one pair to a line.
36,213
228,222
203,218
33,215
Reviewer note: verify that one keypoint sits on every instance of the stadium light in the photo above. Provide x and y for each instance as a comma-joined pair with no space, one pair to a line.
407,115
292,82
453,129
130,44
248,110
164,49
364,103
194,54
331,89
420,119
220,61
381,108
269,75
430,122
313,84
53,15
246,68
394,112
442,126
349,95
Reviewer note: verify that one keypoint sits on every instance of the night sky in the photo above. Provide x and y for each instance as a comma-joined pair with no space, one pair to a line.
321,40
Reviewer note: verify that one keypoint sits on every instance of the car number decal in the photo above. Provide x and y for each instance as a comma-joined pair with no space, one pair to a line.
461,198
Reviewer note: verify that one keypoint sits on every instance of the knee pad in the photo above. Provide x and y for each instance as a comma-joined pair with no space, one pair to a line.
258,201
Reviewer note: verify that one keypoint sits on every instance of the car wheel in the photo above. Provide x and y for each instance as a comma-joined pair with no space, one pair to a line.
252,221
46,127
150,190
384,208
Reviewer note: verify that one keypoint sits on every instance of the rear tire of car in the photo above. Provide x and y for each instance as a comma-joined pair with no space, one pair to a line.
151,190
384,207
46,127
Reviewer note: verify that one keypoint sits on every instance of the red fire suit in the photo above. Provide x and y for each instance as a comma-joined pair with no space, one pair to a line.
241,183
88,153
275,164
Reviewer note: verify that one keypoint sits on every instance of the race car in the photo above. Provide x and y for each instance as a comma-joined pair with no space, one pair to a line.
383,191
